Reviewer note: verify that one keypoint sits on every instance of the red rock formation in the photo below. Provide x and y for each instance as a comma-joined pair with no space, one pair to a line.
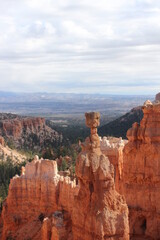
113,148
15,127
141,174
2,142
27,132
99,212
41,204
37,193
1,225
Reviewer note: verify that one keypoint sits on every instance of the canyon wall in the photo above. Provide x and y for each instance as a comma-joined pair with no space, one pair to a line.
27,132
41,204
15,127
140,181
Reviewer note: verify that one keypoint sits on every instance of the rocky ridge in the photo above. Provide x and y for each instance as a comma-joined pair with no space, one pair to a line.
120,126
27,132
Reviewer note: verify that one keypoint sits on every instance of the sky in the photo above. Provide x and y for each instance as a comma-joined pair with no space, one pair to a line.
86,46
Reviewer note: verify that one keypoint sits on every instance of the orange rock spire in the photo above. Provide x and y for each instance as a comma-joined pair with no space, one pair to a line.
141,174
99,212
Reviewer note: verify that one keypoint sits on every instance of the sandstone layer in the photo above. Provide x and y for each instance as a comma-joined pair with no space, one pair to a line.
141,174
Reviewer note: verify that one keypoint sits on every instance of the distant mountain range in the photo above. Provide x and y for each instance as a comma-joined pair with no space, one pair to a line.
119,127
51,104
60,106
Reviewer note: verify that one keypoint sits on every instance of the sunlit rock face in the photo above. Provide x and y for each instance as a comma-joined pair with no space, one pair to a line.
34,197
41,204
27,132
99,212
140,182
113,148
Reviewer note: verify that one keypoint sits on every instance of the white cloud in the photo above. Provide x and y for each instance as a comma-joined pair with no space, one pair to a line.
67,45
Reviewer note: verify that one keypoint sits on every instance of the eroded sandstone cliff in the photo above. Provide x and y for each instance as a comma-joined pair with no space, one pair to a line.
41,204
34,196
27,132
141,174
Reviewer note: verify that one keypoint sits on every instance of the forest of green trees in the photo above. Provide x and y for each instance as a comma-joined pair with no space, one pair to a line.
7,171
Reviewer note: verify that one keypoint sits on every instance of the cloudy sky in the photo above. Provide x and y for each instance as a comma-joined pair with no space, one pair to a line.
88,46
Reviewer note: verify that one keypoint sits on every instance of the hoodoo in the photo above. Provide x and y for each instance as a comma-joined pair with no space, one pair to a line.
42,205
99,212
37,203
141,174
